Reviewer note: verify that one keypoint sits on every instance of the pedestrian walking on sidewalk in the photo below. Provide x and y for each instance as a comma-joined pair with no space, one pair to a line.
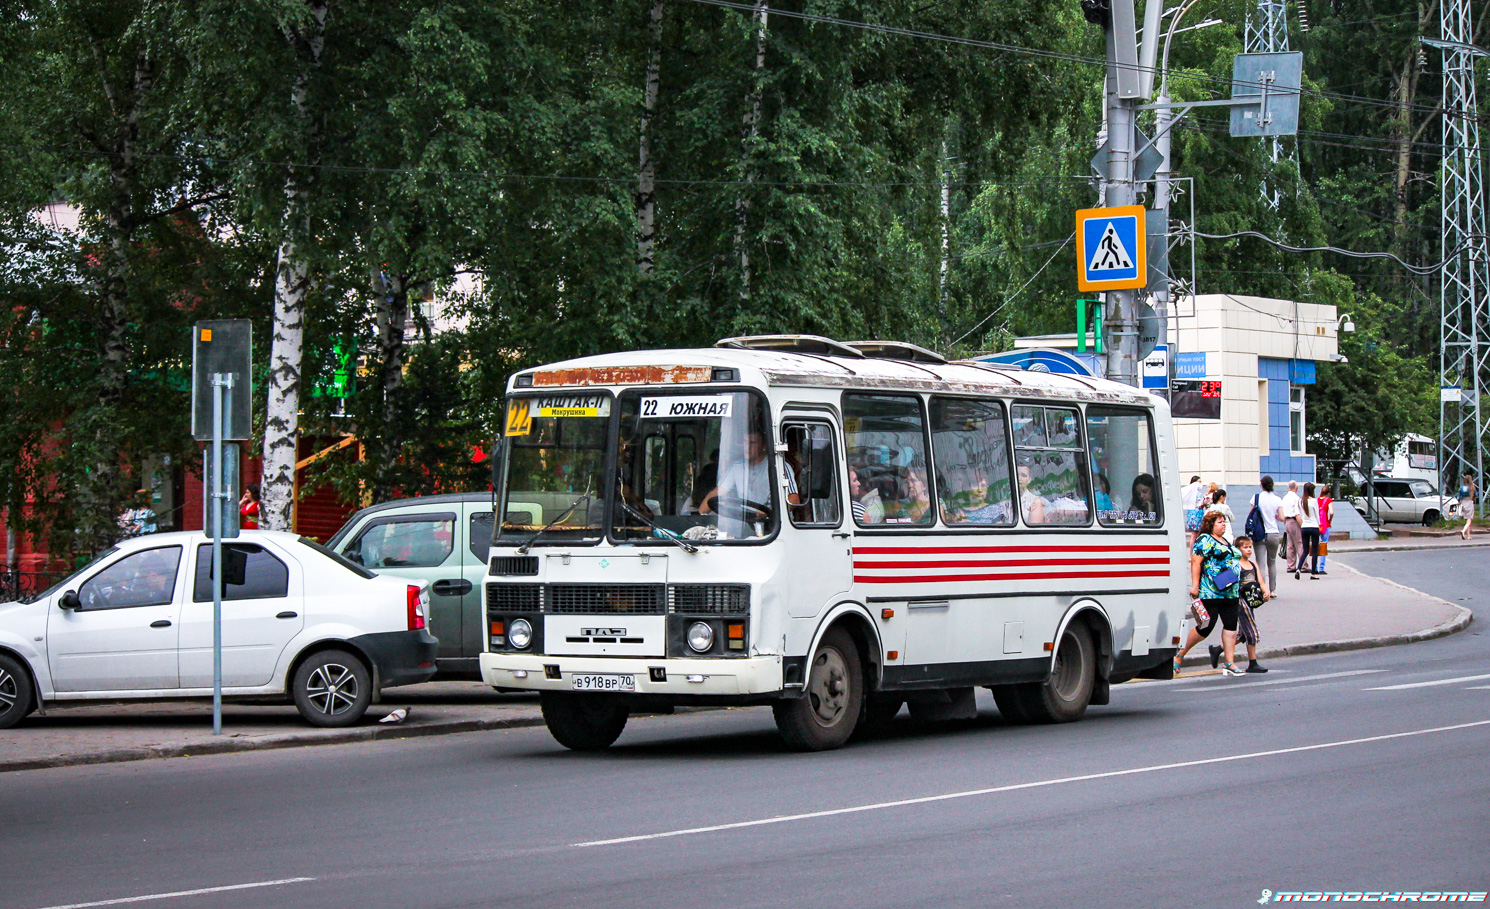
1254,592
1326,518
1292,529
1271,507
1466,503
1190,496
1218,503
1215,580
1309,527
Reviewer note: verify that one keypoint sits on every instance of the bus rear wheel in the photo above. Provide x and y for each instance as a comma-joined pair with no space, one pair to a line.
1064,696
584,722
828,712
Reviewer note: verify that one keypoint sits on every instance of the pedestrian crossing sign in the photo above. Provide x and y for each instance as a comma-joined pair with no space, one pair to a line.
1109,248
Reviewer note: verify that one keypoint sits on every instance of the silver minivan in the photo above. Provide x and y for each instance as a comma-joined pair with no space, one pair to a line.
442,539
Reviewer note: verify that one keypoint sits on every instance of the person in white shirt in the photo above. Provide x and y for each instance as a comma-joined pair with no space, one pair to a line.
1309,528
1220,505
1190,496
1289,511
750,480
1271,507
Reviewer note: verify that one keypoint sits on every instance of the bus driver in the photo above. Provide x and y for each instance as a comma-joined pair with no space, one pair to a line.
749,480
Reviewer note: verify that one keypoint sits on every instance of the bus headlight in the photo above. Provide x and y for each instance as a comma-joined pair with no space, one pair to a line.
520,634
700,637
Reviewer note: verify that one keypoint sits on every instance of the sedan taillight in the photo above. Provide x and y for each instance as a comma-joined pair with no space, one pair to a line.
416,608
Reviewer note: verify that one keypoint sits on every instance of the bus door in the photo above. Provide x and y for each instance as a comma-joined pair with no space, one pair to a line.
817,536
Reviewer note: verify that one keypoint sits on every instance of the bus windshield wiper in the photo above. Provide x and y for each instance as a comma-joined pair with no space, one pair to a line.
660,533
564,516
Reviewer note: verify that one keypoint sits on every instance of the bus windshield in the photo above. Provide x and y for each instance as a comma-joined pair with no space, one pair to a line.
698,466
556,457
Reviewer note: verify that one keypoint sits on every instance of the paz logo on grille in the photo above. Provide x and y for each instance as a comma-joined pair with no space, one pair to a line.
603,632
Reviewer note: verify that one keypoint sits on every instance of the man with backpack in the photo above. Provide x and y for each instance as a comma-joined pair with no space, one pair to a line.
1263,526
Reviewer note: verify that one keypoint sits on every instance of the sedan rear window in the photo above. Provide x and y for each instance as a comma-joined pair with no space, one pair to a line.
348,564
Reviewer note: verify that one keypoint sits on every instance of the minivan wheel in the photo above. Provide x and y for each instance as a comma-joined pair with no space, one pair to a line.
17,698
332,689
584,722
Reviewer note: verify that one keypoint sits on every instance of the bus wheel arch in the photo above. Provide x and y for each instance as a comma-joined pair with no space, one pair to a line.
1078,672
835,685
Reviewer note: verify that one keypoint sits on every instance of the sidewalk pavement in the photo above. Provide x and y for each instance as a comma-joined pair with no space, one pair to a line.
1345,610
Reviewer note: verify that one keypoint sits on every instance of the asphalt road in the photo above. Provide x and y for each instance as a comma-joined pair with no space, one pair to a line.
1359,771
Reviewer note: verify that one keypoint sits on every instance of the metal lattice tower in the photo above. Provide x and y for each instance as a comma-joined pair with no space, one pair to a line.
1267,33
1464,357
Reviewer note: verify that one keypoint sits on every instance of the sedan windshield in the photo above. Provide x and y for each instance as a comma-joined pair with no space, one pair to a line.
1422,489
556,456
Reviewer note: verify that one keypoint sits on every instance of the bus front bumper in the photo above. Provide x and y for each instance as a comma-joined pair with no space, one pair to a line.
737,676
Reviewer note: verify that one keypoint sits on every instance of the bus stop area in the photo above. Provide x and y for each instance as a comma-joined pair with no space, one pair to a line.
1346,610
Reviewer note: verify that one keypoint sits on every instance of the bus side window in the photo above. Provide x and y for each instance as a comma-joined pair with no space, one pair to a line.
1120,443
811,458
1049,473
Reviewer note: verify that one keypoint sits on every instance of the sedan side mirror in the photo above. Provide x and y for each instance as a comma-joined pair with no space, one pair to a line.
70,601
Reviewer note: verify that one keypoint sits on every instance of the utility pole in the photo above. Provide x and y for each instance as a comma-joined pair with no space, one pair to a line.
1128,82
1464,357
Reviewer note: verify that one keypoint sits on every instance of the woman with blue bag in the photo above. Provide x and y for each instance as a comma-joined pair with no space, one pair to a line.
1215,580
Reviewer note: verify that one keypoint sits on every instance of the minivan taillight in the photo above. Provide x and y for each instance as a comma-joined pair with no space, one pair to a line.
416,609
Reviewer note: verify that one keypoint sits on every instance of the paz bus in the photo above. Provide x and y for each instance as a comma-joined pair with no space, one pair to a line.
837,529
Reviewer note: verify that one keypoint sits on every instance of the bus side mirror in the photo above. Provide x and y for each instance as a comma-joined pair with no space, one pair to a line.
820,467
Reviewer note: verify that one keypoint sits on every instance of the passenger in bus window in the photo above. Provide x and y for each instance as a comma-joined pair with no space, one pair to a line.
912,505
1104,495
1144,501
1032,506
707,479
864,501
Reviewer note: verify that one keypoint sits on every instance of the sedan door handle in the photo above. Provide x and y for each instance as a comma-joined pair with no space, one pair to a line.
450,587
161,623
288,615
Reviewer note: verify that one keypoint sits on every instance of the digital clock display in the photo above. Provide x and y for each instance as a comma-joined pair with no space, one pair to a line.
1196,399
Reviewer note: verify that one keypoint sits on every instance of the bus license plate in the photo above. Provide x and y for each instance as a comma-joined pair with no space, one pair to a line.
598,682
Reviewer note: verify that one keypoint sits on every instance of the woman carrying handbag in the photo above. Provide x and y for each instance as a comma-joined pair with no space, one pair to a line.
1215,580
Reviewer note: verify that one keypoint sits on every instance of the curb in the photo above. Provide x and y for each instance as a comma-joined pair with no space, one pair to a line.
227,746
1422,547
1443,629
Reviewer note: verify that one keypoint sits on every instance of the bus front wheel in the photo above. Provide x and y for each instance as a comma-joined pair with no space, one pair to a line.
827,713
1064,696
584,722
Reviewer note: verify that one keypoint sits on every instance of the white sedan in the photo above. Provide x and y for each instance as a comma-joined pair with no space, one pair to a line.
298,622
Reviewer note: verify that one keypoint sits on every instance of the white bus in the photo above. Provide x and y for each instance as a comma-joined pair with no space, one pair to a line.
835,529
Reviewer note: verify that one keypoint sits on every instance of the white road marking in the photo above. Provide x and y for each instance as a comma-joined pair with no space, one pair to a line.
1303,678
166,896
1466,678
1038,784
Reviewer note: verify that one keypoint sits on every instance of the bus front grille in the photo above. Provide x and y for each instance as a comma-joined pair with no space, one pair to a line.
606,599
710,599
514,597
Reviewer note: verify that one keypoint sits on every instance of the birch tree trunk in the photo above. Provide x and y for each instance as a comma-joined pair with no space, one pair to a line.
749,134
291,287
646,199
943,315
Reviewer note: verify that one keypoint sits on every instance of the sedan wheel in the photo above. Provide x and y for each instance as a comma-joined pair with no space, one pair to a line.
332,688
16,696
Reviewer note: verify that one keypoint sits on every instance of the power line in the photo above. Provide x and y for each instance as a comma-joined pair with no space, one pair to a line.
1021,50
1010,299
1414,269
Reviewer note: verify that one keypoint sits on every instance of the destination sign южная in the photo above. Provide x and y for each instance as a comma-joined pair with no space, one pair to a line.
708,406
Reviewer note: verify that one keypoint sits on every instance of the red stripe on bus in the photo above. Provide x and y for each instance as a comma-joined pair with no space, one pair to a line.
951,550
1016,563
1012,576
